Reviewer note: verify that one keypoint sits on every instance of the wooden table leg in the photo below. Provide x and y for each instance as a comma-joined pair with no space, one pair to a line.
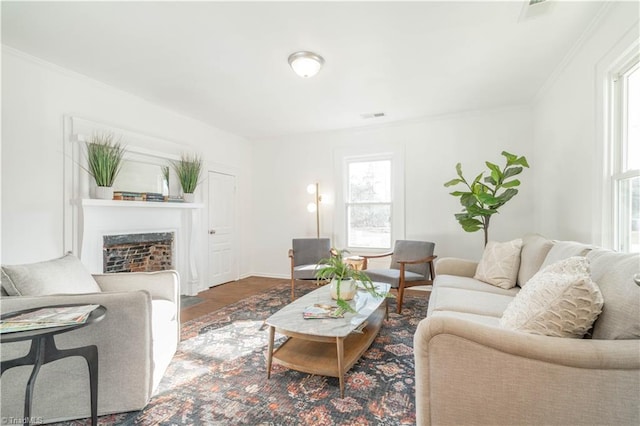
340,349
272,332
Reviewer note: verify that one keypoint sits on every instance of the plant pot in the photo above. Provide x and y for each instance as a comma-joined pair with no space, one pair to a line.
104,192
189,198
347,289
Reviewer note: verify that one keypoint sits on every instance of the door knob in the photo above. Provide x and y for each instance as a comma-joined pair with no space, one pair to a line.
212,231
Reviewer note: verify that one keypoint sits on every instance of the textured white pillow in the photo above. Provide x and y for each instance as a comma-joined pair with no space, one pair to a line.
561,300
500,263
66,275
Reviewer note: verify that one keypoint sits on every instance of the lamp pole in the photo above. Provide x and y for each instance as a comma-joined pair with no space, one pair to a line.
317,210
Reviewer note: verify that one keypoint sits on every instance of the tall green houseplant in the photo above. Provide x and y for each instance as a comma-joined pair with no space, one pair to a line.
483,196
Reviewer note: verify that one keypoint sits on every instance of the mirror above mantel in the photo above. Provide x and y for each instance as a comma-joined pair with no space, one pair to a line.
141,172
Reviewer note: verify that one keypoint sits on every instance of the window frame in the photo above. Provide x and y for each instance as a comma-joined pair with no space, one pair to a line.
348,203
618,149
369,151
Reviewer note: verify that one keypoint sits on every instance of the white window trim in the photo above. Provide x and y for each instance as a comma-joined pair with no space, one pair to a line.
362,159
609,69
603,206
341,159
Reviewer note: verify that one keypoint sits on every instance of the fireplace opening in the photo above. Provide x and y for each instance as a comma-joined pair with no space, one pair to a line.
138,252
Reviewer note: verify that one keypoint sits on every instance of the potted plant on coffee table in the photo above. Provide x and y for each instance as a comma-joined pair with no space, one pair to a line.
104,161
344,279
188,170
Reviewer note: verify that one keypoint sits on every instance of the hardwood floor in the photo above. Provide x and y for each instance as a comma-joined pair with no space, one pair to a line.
220,296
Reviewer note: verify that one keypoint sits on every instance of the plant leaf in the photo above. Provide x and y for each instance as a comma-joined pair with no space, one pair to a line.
511,183
468,199
512,171
507,195
489,179
453,182
488,199
344,305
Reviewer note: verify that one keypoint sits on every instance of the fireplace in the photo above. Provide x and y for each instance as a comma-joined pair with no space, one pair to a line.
112,219
145,252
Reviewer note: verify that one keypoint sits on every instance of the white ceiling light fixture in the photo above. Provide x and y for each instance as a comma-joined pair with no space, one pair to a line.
305,64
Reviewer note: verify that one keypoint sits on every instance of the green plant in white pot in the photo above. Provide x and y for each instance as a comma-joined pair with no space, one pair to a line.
188,170
104,161
344,279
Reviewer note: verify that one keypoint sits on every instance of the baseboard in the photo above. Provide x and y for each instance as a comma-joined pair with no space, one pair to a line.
266,275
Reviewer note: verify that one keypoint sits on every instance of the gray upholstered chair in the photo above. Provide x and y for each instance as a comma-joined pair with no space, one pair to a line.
411,265
305,255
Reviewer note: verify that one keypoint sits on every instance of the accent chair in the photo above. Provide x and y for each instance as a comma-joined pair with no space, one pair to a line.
305,255
411,265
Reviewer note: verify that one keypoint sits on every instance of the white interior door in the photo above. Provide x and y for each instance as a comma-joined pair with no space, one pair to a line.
221,237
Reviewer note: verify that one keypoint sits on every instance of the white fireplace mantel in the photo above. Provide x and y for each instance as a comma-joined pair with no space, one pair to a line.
114,217
139,204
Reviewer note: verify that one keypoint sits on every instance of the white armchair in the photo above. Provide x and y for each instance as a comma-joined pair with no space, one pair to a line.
136,341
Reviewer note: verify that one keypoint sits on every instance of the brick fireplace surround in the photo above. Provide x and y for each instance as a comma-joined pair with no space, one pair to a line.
147,252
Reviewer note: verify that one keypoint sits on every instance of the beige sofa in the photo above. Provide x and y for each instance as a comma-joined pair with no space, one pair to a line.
136,341
472,371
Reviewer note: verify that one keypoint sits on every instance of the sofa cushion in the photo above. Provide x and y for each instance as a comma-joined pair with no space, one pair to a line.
475,318
561,301
534,251
613,272
499,264
454,281
66,275
469,301
564,249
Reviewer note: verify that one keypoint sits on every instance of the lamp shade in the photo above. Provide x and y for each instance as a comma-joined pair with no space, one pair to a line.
305,64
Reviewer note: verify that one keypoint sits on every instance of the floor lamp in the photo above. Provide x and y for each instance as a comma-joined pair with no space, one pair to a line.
315,207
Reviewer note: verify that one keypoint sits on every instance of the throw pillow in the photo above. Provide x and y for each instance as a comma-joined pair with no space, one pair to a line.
561,301
499,264
563,250
534,250
614,273
66,275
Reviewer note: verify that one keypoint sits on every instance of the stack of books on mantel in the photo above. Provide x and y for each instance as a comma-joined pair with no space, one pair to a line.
154,196
138,196
129,196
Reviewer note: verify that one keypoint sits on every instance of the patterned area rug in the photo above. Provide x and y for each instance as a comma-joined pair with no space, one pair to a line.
218,376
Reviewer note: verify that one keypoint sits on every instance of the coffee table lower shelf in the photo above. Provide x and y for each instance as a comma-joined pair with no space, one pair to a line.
324,356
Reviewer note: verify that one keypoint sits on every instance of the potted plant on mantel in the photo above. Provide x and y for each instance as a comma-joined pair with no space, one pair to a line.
344,279
104,161
188,171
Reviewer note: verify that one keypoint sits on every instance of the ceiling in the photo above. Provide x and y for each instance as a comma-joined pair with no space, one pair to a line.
225,63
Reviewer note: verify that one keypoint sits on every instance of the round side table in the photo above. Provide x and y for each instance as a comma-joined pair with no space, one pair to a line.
43,351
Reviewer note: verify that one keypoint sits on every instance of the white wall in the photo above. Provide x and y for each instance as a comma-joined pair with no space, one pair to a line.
284,167
568,133
35,98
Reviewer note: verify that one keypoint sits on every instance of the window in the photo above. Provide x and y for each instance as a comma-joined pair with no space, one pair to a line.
625,176
369,203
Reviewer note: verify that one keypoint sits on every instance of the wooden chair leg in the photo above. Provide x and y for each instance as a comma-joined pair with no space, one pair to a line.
401,289
293,295
400,297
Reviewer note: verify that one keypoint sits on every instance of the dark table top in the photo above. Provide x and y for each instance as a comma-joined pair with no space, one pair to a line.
96,315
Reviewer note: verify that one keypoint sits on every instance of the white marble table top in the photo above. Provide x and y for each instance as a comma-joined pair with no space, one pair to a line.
290,317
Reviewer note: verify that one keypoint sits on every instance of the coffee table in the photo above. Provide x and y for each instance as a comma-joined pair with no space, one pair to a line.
327,347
